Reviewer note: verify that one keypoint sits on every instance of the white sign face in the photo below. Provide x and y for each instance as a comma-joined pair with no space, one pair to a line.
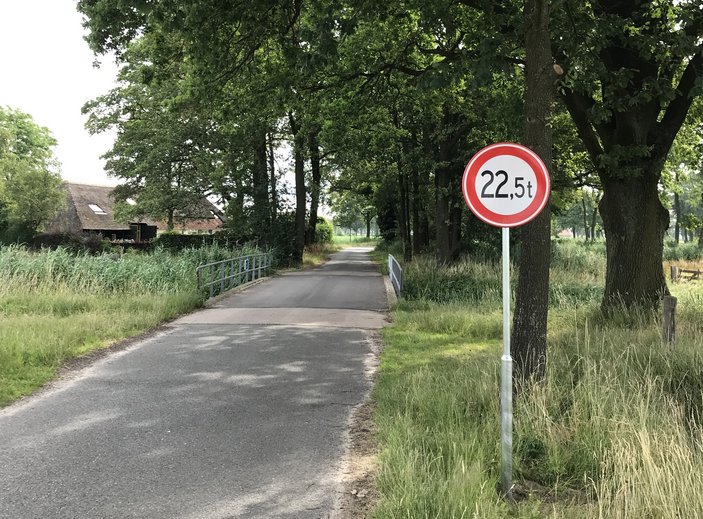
506,184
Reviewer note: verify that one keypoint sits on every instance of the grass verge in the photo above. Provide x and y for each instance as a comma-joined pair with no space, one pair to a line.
613,432
42,330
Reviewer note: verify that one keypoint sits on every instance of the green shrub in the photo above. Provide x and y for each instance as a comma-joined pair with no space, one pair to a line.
324,231
90,242
177,242
682,251
578,256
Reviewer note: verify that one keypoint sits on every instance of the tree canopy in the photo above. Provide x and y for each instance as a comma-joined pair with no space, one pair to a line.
30,184
387,101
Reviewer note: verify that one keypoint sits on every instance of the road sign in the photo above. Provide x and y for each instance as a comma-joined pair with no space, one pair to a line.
506,184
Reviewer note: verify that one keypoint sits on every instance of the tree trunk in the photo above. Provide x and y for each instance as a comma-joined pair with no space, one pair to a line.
416,203
455,219
529,334
442,215
448,190
594,217
314,148
239,196
585,216
423,236
634,221
404,213
403,223
677,210
169,221
272,177
260,179
300,198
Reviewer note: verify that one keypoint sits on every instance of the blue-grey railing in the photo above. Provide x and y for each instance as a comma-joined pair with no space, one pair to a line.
395,271
221,276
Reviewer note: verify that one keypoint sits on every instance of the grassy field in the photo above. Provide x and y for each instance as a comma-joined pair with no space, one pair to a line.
612,433
55,306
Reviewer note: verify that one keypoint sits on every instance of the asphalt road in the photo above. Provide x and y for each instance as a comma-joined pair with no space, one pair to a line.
239,410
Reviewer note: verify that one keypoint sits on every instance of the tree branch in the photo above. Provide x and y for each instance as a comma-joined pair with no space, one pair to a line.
578,106
677,110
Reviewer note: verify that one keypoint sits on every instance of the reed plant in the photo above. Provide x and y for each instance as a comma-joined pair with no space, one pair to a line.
56,305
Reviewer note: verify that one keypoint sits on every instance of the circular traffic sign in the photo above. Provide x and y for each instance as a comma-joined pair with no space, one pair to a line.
506,184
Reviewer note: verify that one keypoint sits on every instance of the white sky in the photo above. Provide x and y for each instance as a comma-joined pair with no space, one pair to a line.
46,70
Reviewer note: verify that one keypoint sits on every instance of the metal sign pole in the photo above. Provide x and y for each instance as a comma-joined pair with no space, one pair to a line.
505,207
506,377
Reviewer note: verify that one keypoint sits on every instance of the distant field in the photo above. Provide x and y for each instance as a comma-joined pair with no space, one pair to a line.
355,240
613,432
55,306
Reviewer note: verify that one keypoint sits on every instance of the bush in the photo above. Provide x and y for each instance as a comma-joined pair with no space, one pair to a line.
578,256
682,251
84,242
177,242
323,231
281,240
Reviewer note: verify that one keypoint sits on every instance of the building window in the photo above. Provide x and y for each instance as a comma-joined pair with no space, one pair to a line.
96,209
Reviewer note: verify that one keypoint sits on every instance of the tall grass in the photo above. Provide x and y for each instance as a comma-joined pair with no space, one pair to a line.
613,431
576,278
55,305
159,271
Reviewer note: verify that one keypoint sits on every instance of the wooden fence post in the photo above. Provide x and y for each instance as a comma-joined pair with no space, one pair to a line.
674,273
669,320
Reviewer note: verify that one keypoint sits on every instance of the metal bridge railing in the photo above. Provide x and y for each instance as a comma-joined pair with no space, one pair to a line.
395,271
221,276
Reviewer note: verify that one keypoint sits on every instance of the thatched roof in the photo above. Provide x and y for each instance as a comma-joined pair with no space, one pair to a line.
96,208
92,208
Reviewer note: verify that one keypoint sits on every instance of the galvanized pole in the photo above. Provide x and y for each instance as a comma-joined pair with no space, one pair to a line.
506,379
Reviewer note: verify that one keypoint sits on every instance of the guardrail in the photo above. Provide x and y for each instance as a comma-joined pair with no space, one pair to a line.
221,276
395,271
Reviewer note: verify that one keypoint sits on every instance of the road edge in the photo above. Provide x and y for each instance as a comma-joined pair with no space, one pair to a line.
355,492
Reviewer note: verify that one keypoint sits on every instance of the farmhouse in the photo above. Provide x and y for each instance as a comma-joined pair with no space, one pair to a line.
92,209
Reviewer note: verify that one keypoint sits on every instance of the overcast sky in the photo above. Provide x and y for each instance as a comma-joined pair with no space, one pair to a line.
46,70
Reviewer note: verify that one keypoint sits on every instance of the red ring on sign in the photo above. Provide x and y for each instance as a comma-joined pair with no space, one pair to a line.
506,220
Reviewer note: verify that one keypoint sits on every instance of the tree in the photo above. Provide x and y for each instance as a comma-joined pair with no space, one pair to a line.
30,184
681,176
529,333
632,69
162,151
251,49
353,210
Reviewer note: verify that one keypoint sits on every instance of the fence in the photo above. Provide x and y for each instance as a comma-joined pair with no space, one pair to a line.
678,274
221,276
395,271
